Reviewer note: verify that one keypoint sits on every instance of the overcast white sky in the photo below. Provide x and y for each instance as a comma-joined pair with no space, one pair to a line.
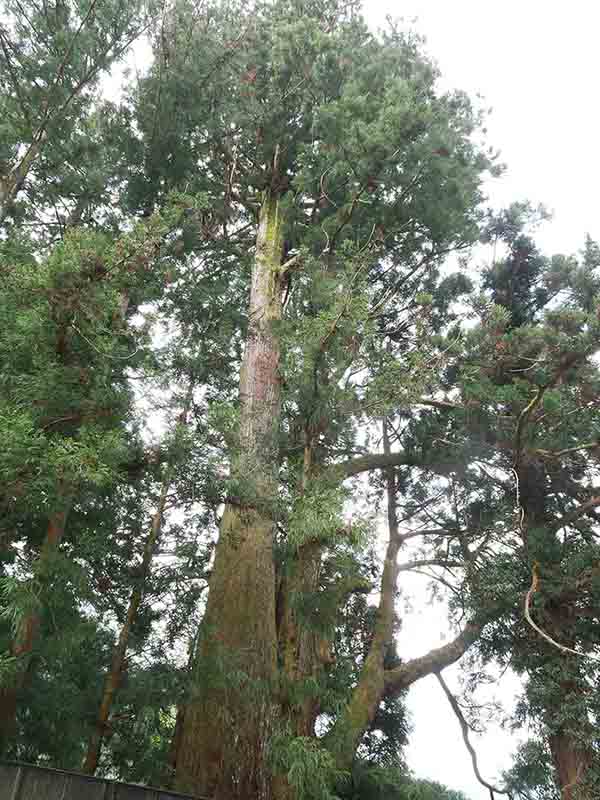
537,65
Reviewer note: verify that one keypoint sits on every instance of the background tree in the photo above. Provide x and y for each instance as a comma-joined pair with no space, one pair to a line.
527,420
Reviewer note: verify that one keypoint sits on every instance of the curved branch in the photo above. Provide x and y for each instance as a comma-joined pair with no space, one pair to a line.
401,677
535,584
465,735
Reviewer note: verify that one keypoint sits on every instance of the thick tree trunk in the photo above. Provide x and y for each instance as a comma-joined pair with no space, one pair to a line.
113,678
304,651
571,731
569,725
572,763
27,633
230,712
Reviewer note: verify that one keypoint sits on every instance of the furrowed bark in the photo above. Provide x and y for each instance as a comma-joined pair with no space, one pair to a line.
229,714
572,762
303,653
303,650
571,732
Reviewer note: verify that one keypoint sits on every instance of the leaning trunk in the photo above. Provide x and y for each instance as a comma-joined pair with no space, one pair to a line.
358,715
375,682
113,678
27,633
230,711
12,183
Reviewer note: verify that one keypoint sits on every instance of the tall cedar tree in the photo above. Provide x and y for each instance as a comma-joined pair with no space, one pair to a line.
340,174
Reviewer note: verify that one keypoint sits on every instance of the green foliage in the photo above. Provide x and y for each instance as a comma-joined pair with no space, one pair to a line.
368,782
531,774
308,768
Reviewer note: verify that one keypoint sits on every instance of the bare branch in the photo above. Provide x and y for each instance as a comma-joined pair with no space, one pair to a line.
437,659
465,735
428,562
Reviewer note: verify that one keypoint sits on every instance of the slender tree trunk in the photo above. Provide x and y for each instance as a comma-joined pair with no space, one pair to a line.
230,711
347,732
28,630
113,678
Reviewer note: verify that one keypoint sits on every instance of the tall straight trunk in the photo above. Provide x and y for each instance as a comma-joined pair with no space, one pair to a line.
230,711
304,651
27,632
113,677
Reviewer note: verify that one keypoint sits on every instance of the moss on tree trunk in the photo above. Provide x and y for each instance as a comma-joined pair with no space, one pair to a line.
232,705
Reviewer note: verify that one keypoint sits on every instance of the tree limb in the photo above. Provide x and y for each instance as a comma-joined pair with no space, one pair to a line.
465,735
582,509
373,461
437,659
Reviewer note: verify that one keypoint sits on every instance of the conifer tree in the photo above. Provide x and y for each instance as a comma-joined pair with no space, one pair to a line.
346,177
526,424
